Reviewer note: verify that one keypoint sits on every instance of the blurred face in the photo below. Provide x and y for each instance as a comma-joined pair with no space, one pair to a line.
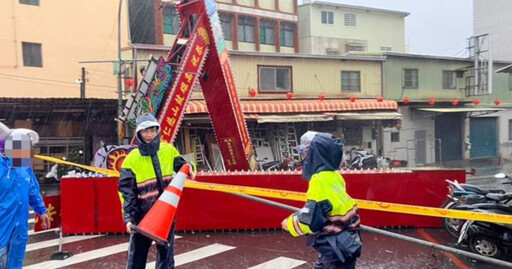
149,134
18,148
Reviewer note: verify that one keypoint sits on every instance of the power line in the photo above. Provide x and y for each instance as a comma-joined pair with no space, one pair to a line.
27,79
53,84
41,79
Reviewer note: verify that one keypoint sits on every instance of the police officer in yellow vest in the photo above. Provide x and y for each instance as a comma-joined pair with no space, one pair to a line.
330,216
145,173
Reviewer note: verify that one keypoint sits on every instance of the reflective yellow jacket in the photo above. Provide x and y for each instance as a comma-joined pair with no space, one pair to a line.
138,184
329,209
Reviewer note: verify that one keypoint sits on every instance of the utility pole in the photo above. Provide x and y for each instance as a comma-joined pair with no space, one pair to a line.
82,84
119,80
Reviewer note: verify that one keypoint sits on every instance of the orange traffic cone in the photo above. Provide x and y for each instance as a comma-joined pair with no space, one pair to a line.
158,221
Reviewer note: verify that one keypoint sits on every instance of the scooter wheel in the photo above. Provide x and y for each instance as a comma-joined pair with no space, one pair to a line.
483,246
452,226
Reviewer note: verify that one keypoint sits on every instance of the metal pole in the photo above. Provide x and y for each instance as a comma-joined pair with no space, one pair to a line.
119,81
82,84
390,234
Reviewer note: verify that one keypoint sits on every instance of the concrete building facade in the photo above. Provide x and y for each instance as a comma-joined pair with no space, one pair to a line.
335,29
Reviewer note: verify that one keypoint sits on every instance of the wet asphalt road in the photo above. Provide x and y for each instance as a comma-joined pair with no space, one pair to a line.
248,249
259,249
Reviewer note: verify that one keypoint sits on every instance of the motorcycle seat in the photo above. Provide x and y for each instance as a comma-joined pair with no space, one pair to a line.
495,208
478,190
499,197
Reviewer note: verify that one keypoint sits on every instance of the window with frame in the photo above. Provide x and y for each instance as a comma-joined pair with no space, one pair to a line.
353,136
246,29
510,81
350,19
351,81
355,47
267,32
395,137
171,20
509,130
327,17
287,30
30,2
410,78
225,20
32,55
275,79
449,79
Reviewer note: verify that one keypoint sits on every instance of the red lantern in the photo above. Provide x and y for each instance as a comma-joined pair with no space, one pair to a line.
128,82
431,101
352,98
455,102
497,102
289,95
321,97
252,92
406,100
477,102
379,99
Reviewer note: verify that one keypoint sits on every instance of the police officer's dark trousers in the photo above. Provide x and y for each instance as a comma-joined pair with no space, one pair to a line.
139,248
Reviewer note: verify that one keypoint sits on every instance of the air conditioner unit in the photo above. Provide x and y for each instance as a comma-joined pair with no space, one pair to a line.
332,51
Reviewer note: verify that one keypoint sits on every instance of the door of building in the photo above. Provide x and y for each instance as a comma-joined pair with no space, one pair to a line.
449,133
420,137
482,136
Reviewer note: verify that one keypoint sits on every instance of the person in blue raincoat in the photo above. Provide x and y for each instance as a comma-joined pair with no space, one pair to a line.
330,217
18,190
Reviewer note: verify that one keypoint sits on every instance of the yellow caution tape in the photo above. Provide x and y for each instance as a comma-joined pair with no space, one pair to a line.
107,172
300,196
255,191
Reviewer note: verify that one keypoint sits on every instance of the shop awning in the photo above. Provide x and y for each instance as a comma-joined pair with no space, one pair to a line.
460,109
369,116
506,69
300,106
288,118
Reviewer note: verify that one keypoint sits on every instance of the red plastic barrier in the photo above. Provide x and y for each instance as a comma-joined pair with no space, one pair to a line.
91,205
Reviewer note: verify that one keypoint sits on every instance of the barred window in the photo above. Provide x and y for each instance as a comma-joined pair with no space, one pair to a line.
350,19
410,78
351,81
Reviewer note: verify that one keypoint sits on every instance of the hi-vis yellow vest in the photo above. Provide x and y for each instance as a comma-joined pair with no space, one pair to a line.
142,167
327,186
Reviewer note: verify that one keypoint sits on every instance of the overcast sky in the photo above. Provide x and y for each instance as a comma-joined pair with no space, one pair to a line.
433,27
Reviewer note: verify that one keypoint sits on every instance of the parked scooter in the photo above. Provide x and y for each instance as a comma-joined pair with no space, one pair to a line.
486,238
360,159
467,194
